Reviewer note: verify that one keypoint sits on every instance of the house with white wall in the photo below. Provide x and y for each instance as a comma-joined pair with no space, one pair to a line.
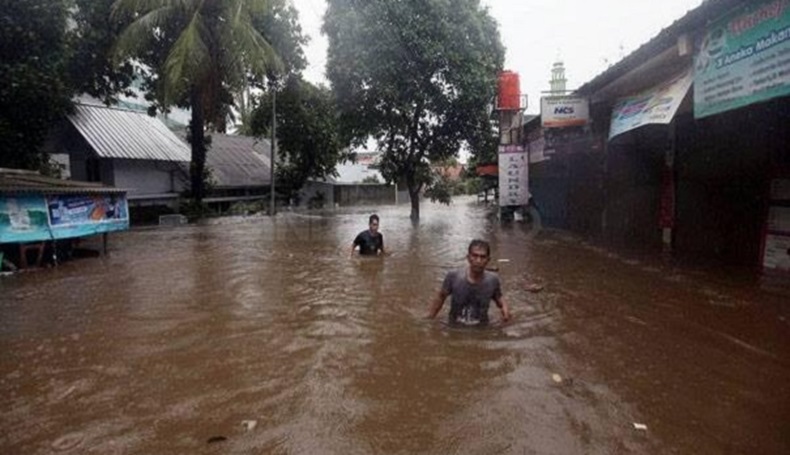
126,149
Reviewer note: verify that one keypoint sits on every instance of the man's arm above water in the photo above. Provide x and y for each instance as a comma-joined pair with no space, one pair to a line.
437,303
500,303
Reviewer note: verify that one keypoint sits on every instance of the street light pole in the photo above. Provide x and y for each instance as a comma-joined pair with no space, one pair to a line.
273,149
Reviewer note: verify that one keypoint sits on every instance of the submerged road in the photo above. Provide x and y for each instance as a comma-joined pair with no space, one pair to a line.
260,336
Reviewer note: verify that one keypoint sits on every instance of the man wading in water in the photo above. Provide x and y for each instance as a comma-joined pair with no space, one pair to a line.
371,241
472,289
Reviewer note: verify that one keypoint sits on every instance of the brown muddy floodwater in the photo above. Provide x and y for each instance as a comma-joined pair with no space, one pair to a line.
181,337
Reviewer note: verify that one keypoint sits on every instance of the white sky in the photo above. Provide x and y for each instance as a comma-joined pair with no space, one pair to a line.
587,35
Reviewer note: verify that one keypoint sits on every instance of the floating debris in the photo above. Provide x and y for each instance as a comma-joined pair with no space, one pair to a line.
249,425
216,439
67,442
534,287
557,378
640,426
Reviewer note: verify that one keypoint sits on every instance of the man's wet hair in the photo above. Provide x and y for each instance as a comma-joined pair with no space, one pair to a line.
477,243
373,218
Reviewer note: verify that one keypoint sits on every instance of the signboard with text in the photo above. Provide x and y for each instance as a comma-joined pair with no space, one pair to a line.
564,111
513,175
744,58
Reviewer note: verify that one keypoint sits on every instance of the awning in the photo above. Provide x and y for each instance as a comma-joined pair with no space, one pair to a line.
655,106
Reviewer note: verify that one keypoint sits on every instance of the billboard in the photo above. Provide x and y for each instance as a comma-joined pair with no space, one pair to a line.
513,175
655,106
36,218
743,58
564,111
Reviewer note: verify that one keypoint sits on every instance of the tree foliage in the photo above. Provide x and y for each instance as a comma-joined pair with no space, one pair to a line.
210,50
91,39
307,134
34,93
418,76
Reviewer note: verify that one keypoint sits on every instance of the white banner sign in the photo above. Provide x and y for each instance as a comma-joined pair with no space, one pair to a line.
776,255
564,111
655,106
513,175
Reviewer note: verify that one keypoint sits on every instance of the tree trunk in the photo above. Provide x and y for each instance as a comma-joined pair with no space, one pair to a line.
197,140
414,196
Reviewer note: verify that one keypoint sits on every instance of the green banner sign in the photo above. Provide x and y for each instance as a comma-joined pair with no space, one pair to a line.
744,58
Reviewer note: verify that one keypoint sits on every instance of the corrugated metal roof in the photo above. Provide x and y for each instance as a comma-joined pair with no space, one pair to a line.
238,161
18,181
119,133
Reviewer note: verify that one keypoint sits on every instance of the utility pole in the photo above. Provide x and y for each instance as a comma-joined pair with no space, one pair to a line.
273,149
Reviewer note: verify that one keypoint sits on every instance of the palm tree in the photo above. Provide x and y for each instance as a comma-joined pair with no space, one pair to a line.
211,47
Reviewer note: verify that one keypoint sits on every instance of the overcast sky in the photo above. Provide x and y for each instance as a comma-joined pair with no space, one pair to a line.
587,35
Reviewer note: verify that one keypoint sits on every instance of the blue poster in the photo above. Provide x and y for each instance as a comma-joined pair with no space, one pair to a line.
81,215
23,219
36,218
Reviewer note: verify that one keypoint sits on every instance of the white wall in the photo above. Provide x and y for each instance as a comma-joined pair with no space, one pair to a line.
149,177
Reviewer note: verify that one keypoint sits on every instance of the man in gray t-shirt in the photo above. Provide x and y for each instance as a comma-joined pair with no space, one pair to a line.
472,289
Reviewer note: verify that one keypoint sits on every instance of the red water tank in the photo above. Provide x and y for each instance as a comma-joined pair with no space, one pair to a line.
509,93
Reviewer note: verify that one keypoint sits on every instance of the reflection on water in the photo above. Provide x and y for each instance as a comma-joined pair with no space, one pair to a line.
180,335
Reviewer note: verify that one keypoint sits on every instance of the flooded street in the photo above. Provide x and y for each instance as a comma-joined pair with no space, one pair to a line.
180,335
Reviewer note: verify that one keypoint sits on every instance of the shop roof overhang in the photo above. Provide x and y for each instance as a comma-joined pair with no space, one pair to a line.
15,181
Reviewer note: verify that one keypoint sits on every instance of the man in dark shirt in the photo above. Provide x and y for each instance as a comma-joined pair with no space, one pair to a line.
371,241
472,288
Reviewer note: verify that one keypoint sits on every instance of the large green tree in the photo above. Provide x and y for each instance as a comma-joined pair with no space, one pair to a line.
211,49
418,76
307,133
91,38
34,89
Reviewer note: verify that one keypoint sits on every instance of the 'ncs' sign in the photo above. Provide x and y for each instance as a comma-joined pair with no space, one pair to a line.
564,111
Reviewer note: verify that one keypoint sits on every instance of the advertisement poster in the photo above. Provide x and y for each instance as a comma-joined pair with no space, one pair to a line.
23,219
79,215
513,175
39,218
776,256
743,58
564,111
655,106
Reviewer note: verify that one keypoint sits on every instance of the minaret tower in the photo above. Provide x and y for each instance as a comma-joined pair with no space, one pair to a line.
558,79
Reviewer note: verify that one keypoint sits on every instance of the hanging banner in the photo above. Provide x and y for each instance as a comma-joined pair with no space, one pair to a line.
564,111
80,215
36,218
655,106
513,175
744,58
